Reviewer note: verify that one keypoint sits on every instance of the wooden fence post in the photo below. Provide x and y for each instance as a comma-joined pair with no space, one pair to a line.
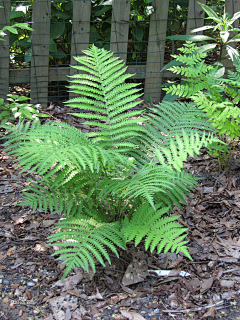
195,16
80,32
4,49
40,51
120,27
156,49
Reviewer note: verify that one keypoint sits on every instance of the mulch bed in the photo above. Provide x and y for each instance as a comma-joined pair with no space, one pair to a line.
207,288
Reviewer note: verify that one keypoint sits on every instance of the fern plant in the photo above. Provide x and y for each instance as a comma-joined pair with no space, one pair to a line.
190,65
212,93
119,182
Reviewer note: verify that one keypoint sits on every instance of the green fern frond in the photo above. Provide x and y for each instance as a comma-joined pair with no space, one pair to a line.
160,231
150,182
194,70
105,97
182,147
84,238
49,146
168,120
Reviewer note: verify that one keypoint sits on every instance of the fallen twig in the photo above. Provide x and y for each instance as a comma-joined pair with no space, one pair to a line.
195,309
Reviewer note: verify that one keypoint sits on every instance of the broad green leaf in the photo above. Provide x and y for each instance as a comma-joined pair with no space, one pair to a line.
232,52
108,20
16,14
107,34
11,29
59,54
208,10
138,33
42,115
219,21
62,15
171,64
103,10
17,114
94,36
57,30
4,113
99,44
24,26
22,98
27,114
28,54
171,27
52,46
224,36
235,17
106,3
69,6
235,38
206,48
194,38
201,29
25,42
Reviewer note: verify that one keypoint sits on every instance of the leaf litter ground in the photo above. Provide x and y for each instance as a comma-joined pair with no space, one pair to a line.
30,278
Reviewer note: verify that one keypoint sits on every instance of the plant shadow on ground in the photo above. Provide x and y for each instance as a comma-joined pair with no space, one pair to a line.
30,277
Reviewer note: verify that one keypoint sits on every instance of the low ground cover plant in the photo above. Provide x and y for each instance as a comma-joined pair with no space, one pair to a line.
120,182
17,108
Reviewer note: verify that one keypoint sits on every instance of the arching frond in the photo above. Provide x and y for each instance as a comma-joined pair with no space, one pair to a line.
84,239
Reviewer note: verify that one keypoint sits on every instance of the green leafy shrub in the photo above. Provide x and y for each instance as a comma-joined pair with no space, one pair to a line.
117,183
15,109
224,114
214,94
221,27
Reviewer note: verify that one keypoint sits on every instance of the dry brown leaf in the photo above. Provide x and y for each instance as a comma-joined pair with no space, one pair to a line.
69,283
48,223
11,251
206,285
22,219
94,311
73,293
136,272
174,263
132,315
96,296
210,313
193,285
7,225
33,225
40,247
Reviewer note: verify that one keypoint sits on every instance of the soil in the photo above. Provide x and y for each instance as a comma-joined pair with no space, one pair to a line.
206,288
